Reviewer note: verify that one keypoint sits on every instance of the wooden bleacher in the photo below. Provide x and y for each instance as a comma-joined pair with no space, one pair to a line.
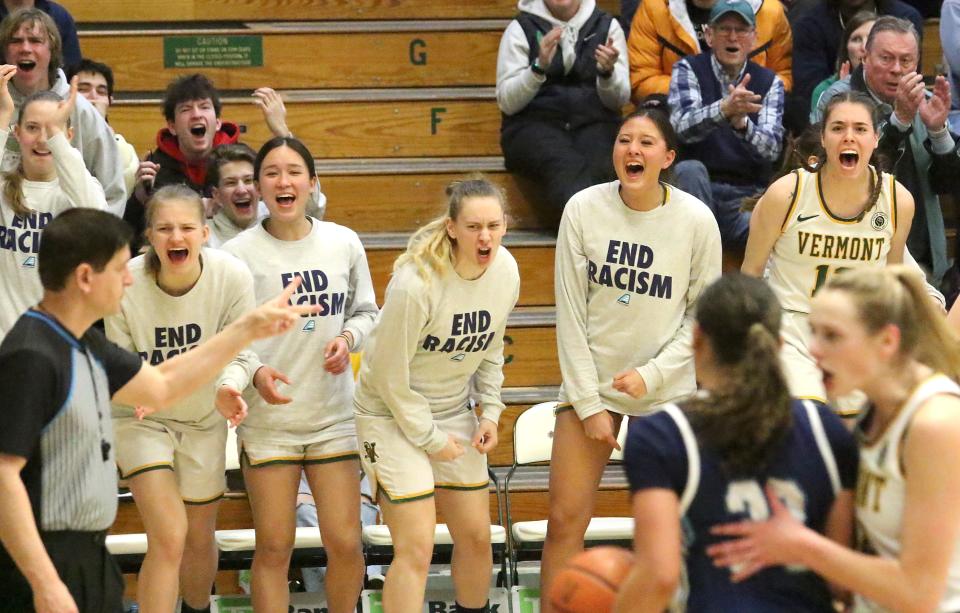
382,124
120,11
306,56
390,127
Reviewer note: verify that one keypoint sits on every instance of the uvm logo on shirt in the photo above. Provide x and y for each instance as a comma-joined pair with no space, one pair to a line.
168,342
469,333
625,269
310,326
29,262
313,290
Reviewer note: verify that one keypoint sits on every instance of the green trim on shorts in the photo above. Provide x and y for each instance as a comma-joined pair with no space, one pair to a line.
350,455
204,501
403,499
146,469
245,459
463,488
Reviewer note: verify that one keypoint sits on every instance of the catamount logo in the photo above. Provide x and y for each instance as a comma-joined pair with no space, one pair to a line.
370,450
878,221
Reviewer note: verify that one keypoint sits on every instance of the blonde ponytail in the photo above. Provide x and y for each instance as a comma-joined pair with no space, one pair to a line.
13,191
429,249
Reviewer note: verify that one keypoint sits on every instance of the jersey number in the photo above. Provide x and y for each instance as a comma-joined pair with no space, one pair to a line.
748,497
823,271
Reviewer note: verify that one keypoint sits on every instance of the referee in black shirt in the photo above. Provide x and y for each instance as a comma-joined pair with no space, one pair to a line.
58,481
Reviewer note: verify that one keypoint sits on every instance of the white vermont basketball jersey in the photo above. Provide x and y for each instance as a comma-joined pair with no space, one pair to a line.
881,492
815,243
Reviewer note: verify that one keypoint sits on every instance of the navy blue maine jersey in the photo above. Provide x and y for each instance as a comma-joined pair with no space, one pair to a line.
816,459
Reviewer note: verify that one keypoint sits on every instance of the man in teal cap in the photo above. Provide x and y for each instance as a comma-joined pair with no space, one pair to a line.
728,115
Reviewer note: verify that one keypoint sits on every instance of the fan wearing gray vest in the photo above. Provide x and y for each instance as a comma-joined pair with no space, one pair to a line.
728,114
58,374
562,78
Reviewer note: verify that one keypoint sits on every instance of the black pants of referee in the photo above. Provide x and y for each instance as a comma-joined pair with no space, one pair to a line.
85,567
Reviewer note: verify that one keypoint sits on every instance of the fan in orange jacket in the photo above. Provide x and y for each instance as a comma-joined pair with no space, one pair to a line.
662,33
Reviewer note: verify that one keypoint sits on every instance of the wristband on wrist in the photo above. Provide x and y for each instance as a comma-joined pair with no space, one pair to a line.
535,67
347,338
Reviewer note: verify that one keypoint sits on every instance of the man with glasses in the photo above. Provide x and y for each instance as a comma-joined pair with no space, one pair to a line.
663,32
728,115
914,136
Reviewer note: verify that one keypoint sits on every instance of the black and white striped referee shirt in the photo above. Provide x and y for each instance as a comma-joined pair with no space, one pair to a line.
55,394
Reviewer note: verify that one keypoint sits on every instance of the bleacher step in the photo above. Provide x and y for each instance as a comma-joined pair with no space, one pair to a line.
293,27
368,94
398,240
529,395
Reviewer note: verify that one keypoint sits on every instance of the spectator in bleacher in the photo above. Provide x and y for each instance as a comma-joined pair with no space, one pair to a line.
950,31
817,38
65,25
191,106
852,49
233,187
49,180
914,133
628,8
562,79
664,31
29,40
96,85
727,112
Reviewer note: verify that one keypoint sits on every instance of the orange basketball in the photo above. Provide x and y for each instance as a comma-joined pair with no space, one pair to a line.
589,582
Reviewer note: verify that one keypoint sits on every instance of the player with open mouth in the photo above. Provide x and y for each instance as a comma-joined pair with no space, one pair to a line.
50,179
846,214
876,331
182,295
313,431
439,335
622,350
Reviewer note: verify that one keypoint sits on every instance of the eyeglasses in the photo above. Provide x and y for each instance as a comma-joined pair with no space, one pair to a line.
738,31
907,62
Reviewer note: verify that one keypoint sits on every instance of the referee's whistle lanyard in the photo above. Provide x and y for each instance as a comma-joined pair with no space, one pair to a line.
104,443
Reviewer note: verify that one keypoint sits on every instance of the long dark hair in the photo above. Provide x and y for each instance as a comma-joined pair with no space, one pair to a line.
745,420
864,100
859,18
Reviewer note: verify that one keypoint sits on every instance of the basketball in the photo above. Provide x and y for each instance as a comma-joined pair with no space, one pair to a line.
589,582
